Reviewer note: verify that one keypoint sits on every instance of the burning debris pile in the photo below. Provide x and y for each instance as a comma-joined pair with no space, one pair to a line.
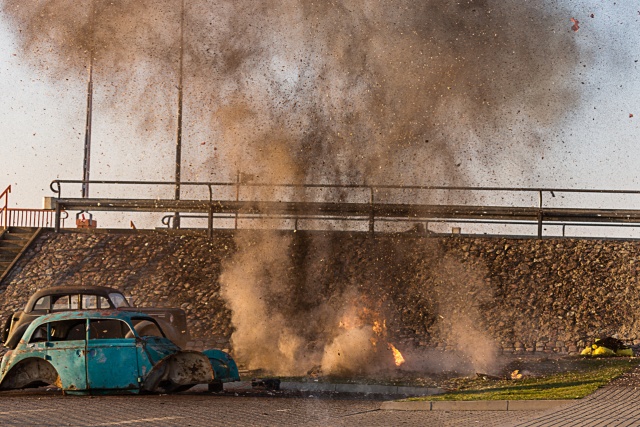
287,322
327,316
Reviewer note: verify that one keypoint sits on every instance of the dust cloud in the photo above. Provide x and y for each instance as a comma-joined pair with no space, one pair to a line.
286,322
353,92
460,293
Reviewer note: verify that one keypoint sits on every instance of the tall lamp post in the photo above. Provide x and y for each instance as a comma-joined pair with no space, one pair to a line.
176,219
87,131
86,165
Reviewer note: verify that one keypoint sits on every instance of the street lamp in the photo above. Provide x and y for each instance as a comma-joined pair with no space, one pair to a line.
87,132
176,219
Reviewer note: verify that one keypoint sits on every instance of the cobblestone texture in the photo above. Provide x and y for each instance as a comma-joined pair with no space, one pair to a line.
193,410
533,296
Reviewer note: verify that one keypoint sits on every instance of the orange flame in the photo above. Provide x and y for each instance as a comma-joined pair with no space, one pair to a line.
379,328
397,356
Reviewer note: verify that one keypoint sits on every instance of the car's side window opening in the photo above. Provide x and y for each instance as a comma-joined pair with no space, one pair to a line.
104,303
60,302
89,302
66,302
63,330
43,303
118,300
108,329
76,332
39,334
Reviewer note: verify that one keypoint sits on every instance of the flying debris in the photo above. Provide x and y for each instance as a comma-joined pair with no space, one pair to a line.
575,26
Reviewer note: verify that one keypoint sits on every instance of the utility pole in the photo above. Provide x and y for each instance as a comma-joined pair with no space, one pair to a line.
86,165
176,218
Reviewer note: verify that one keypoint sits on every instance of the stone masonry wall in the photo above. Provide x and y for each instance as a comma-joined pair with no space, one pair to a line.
551,295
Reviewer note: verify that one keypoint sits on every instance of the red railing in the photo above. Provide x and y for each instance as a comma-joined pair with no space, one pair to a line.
17,217
41,218
4,212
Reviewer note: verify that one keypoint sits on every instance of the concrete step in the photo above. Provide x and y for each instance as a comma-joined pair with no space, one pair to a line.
12,243
22,230
10,249
17,236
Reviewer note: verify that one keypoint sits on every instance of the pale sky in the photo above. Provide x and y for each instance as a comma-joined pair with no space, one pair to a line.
595,146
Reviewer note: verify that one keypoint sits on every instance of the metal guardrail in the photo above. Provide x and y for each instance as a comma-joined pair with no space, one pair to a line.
167,221
374,203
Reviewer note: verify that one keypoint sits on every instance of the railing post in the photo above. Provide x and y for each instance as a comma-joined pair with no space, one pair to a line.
210,222
57,226
540,214
237,196
540,224
372,225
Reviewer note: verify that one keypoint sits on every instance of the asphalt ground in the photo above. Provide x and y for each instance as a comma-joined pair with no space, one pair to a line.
42,408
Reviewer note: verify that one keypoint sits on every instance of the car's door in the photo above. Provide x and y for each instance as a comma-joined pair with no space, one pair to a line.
66,350
112,362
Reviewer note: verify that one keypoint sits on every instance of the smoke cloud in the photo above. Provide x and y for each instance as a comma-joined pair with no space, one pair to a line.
460,293
366,91
353,91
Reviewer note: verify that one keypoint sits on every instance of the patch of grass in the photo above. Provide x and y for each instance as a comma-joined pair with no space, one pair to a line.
586,377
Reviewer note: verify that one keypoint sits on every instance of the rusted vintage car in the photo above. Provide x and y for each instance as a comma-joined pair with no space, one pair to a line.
97,352
64,298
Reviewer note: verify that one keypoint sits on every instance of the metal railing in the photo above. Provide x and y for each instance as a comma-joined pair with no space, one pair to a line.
56,187
38,218
4,213
20,217
368,202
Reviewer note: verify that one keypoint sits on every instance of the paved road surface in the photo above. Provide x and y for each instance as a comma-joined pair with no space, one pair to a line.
615,405
211,410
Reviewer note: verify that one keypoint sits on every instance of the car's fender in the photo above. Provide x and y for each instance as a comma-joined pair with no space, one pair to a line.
224,367
179,371
30,372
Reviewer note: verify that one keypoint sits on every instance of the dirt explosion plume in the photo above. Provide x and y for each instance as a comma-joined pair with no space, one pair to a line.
296,91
